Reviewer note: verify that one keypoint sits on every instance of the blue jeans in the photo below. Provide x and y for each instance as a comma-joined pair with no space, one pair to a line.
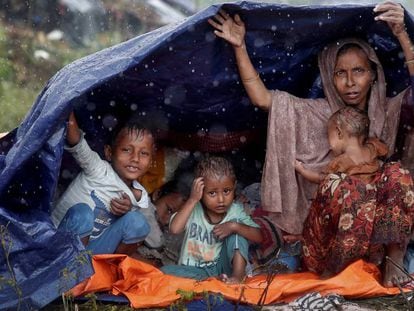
224,264
129,228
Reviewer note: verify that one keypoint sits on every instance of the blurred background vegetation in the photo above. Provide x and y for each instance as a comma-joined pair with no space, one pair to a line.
39,37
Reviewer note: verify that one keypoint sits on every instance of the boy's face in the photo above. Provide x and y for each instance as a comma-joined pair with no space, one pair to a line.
218,194
132,154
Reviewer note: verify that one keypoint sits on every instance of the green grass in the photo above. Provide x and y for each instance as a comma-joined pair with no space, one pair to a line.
15,102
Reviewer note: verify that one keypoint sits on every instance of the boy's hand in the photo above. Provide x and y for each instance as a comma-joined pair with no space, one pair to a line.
228,28
73,135
222,231
121,206
197,189
393,14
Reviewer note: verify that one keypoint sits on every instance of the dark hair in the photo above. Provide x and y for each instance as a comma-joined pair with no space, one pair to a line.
212,166
353,121
132,126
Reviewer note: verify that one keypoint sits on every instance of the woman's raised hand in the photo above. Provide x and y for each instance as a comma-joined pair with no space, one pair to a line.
228,28
393,14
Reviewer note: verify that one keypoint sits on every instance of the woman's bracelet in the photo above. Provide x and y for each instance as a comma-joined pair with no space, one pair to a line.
411,61
256,77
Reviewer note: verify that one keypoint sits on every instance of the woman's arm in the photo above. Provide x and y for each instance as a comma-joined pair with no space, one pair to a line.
233,31
393,14
180,219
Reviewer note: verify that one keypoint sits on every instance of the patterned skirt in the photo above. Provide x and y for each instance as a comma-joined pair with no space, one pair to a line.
353,219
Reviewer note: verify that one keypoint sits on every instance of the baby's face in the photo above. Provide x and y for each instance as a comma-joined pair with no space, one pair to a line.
132,154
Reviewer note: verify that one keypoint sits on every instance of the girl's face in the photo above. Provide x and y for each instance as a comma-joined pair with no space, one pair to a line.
132,154
353,77
336,139
218,195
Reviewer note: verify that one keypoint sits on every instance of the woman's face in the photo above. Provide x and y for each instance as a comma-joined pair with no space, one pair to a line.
353,77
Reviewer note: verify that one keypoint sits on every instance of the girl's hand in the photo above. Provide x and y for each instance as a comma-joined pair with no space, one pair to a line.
230,29
122,205
197,189
393,14
222,231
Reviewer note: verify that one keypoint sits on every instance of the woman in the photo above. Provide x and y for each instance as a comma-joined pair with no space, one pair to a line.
351,75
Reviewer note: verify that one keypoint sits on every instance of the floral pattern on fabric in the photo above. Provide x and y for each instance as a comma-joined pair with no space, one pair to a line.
351,219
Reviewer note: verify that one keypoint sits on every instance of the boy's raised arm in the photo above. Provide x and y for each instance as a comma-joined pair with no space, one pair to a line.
180,219
73,132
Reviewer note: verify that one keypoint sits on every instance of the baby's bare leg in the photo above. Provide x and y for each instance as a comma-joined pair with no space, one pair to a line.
391,274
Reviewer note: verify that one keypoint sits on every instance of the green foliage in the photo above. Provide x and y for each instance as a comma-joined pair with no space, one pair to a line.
188,296
6,245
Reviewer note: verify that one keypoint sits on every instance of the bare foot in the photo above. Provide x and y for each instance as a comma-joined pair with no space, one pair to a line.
392,275
229,280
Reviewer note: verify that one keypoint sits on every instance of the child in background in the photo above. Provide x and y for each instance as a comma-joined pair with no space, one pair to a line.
102,203
217,229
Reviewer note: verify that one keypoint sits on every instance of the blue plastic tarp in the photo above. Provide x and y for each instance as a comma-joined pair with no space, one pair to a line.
180,77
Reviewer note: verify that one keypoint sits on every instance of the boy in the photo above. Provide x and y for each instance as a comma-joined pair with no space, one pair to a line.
102,203
217,229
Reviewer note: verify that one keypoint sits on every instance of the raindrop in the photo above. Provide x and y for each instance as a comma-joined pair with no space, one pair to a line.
243,139
134,107
259,42
91,106
109,121
210,36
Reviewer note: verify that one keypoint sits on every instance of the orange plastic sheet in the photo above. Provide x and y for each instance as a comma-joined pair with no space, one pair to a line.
146,286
